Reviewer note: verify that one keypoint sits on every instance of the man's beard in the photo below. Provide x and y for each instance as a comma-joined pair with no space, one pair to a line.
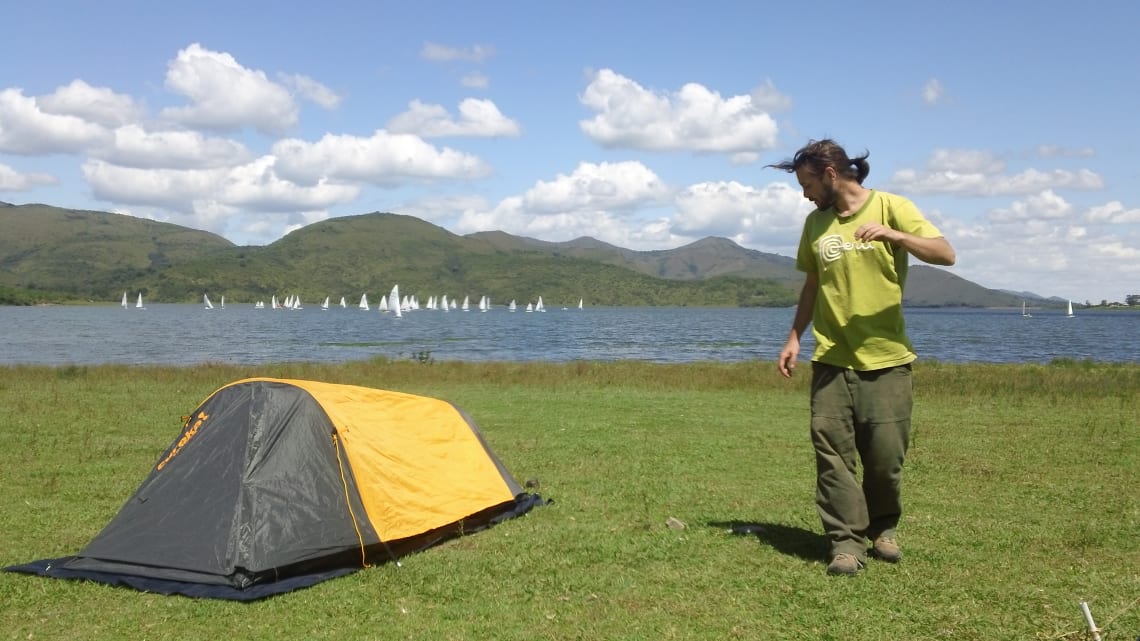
827,198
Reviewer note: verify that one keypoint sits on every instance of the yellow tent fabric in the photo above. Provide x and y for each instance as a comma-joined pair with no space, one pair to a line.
417,462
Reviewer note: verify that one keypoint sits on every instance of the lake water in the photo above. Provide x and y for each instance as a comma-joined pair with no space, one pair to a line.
240,334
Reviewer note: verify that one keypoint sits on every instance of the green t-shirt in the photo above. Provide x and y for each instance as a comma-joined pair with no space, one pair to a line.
858,317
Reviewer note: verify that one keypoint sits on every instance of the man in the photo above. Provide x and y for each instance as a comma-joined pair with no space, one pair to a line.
854,250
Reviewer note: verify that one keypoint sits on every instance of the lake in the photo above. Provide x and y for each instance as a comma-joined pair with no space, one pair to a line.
239,334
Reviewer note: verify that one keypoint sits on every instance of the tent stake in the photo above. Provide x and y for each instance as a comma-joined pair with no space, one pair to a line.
1089,621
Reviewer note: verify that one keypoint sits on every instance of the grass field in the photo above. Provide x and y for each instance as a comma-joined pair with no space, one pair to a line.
1022,495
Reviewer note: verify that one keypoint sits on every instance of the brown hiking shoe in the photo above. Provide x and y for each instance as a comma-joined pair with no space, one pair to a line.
845,565
886,549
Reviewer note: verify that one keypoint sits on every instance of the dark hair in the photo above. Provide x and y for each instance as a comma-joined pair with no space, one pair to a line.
818,155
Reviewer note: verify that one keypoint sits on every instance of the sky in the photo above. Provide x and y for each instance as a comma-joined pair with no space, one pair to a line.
1013,126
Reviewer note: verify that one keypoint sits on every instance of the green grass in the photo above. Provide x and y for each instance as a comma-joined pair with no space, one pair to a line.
1022,498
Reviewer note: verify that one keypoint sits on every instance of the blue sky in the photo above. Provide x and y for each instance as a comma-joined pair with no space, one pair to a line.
1013,126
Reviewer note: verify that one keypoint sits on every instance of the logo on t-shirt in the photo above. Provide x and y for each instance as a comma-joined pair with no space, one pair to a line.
831,247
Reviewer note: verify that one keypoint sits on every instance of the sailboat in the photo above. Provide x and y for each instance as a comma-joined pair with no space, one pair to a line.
466,302
124,303
1069,313
343,304
223,303
206,302
394,300
539,307
1025,310
579,303
512,306
139,305
364,302
325,305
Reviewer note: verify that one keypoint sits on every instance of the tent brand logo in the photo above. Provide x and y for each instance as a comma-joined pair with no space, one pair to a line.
831,247
202,416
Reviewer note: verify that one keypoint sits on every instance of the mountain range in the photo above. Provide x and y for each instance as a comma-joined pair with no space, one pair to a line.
54,254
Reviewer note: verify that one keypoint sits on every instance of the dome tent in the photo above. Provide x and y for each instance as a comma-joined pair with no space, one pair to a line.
274,485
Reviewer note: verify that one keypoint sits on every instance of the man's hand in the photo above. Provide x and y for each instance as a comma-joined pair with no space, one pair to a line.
788,356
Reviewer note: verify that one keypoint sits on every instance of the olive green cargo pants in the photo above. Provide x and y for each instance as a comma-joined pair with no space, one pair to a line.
859,417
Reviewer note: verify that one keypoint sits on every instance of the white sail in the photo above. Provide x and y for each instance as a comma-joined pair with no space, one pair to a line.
124,303
206,302
539,307
466,304
343,305
139,305
222,304
383,306
394,300
1069,313
325,305
512,306
363,302
579,303
483,304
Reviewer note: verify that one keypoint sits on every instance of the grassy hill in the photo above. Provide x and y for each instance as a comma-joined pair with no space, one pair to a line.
706,258
91,253
97,255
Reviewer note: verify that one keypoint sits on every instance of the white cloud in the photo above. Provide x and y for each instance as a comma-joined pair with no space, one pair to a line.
1045,245
213,194
1044,205
12,180
1123,257
771,216
441,210
692,119
607,186
97,105
133,146
475,80
257,185
596,200
767,98
1054,151
1113,213
384,159
965,161
311,90
26,129
167,188
479,118
225,95
933,91
443,53
980,173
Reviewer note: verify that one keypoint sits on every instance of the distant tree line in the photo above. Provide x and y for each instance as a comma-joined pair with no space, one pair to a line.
14,296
